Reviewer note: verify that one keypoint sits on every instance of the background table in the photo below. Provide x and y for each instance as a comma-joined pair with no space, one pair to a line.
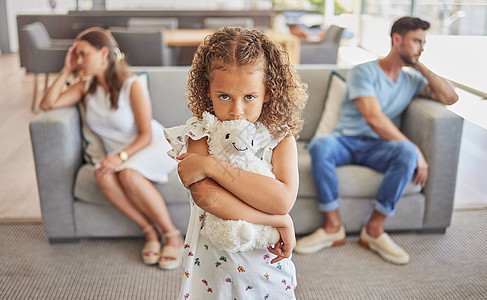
193,37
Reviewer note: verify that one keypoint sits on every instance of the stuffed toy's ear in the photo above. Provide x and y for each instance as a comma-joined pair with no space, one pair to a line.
208,118
210,122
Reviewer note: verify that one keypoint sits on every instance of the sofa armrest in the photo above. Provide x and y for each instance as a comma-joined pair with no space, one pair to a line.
56,142
438,133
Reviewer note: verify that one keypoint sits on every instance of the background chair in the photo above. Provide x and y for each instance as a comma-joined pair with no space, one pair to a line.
44,55
158,24
153,23
143,47
215,23
325,51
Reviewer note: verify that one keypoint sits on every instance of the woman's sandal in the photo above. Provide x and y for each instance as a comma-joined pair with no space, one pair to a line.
150,252
173,252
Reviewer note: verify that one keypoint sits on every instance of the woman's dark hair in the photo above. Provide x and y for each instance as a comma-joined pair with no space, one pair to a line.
406,24
117,67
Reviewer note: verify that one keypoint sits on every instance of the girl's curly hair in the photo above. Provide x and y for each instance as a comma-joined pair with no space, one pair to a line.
233,46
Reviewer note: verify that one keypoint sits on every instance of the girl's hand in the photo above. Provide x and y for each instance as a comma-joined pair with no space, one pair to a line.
71,59
108,164
285,246
192,168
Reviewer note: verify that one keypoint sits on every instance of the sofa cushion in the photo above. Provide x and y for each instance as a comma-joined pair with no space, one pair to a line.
167,86
102,221
93,149
353,181
332,104
86,189
316,77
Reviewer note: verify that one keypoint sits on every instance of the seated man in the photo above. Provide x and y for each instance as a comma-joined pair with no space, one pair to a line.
367,134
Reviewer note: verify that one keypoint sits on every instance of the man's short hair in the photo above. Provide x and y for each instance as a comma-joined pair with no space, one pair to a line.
406,24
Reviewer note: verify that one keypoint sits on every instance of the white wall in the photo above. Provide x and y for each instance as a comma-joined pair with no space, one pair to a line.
178,4
375,34
15,7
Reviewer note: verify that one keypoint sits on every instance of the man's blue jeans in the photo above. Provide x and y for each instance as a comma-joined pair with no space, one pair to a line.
396,159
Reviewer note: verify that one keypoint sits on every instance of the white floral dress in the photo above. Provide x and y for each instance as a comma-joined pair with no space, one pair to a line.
211,273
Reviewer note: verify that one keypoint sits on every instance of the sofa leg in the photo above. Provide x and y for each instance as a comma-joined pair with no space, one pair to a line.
63,240
432,230
33,106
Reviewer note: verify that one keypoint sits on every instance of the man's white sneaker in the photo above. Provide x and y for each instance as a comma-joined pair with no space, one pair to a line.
385,247
320,239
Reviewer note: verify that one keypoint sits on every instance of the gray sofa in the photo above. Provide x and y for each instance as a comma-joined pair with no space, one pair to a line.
73,206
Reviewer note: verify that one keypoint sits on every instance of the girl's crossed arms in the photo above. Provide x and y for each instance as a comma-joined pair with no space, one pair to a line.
234,194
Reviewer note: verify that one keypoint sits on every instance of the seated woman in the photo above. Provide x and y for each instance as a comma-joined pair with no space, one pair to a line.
118,110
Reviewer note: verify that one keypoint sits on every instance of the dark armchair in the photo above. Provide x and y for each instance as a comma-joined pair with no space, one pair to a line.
153,23
44,55
143,47
216,23
325,51
158,24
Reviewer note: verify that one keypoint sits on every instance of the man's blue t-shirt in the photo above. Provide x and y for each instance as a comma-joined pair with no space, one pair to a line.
368,79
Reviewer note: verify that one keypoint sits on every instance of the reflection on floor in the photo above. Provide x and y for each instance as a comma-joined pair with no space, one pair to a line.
471,189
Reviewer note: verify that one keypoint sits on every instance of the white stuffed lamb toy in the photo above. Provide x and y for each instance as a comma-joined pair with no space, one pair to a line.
241,144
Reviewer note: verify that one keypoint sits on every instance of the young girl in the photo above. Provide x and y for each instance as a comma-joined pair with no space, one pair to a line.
241,74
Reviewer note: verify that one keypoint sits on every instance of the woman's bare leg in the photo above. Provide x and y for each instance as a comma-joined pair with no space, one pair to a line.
114,192
147,199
